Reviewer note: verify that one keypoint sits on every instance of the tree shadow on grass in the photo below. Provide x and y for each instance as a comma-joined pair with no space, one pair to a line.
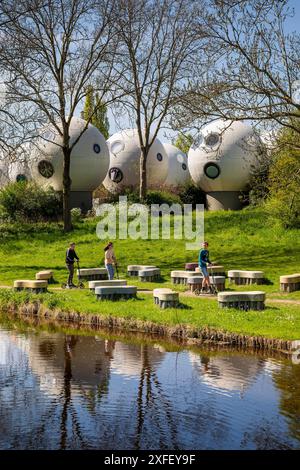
184,307
268,282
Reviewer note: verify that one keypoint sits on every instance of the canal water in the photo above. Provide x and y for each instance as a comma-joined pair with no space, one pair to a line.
78,390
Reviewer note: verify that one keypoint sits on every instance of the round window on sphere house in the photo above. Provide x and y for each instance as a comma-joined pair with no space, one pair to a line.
115,174
21,178
212,139
212,170
159,157
117,146
184,167
46,168
97,148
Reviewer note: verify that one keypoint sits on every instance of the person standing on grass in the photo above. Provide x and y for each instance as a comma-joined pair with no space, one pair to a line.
70,259
204,261
110,260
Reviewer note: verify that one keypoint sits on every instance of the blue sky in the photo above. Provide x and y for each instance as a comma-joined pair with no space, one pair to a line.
293,24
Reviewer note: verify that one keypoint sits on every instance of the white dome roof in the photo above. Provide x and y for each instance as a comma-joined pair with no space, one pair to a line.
178,172
89,158
223,155
124,167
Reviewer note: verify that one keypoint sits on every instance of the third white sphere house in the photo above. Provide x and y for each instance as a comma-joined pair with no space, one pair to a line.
89,161
221,162
178,172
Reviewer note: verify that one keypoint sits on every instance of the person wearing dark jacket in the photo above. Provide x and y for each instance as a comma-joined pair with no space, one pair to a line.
70,259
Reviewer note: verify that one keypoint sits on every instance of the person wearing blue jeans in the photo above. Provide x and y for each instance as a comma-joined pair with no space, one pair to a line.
110,260
204,261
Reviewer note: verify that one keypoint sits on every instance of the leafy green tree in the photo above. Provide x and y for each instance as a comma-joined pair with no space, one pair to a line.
89,104
96,112
100,119
284,179
183,142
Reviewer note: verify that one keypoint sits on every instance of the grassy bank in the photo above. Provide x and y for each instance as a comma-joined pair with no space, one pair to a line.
238,240
277,321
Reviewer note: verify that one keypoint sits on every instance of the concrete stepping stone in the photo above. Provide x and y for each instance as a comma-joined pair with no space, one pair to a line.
149,274
36,286
166,298
191,266
113,282
115,292
44,276
254,300
162,290
133,269
196,282
290,283
181,277
217,270
246,277
92,274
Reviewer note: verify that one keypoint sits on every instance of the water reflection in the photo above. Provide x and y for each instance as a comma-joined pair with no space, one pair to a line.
229,373
287,380
67,391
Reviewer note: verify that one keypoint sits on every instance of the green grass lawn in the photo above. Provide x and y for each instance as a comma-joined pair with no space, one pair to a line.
277,321
238,240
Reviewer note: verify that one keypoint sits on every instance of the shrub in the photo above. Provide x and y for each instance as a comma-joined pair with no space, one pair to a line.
284,183
154,196
161,197
76,215
191,194
25,201
284,179
90,214
106,196
258,186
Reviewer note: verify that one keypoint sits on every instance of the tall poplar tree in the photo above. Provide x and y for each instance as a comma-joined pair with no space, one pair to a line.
96,112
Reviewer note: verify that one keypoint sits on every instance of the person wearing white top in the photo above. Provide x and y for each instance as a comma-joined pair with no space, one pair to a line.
110,260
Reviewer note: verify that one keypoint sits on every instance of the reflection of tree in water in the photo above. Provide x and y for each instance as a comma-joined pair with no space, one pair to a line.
287,380
152,401
71,359
70,342
263,437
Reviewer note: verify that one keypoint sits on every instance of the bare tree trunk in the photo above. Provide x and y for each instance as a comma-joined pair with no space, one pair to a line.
143,174
67,190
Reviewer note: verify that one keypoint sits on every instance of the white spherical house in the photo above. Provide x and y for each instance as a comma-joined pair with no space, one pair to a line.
178,172
124,167
89,162
221,162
